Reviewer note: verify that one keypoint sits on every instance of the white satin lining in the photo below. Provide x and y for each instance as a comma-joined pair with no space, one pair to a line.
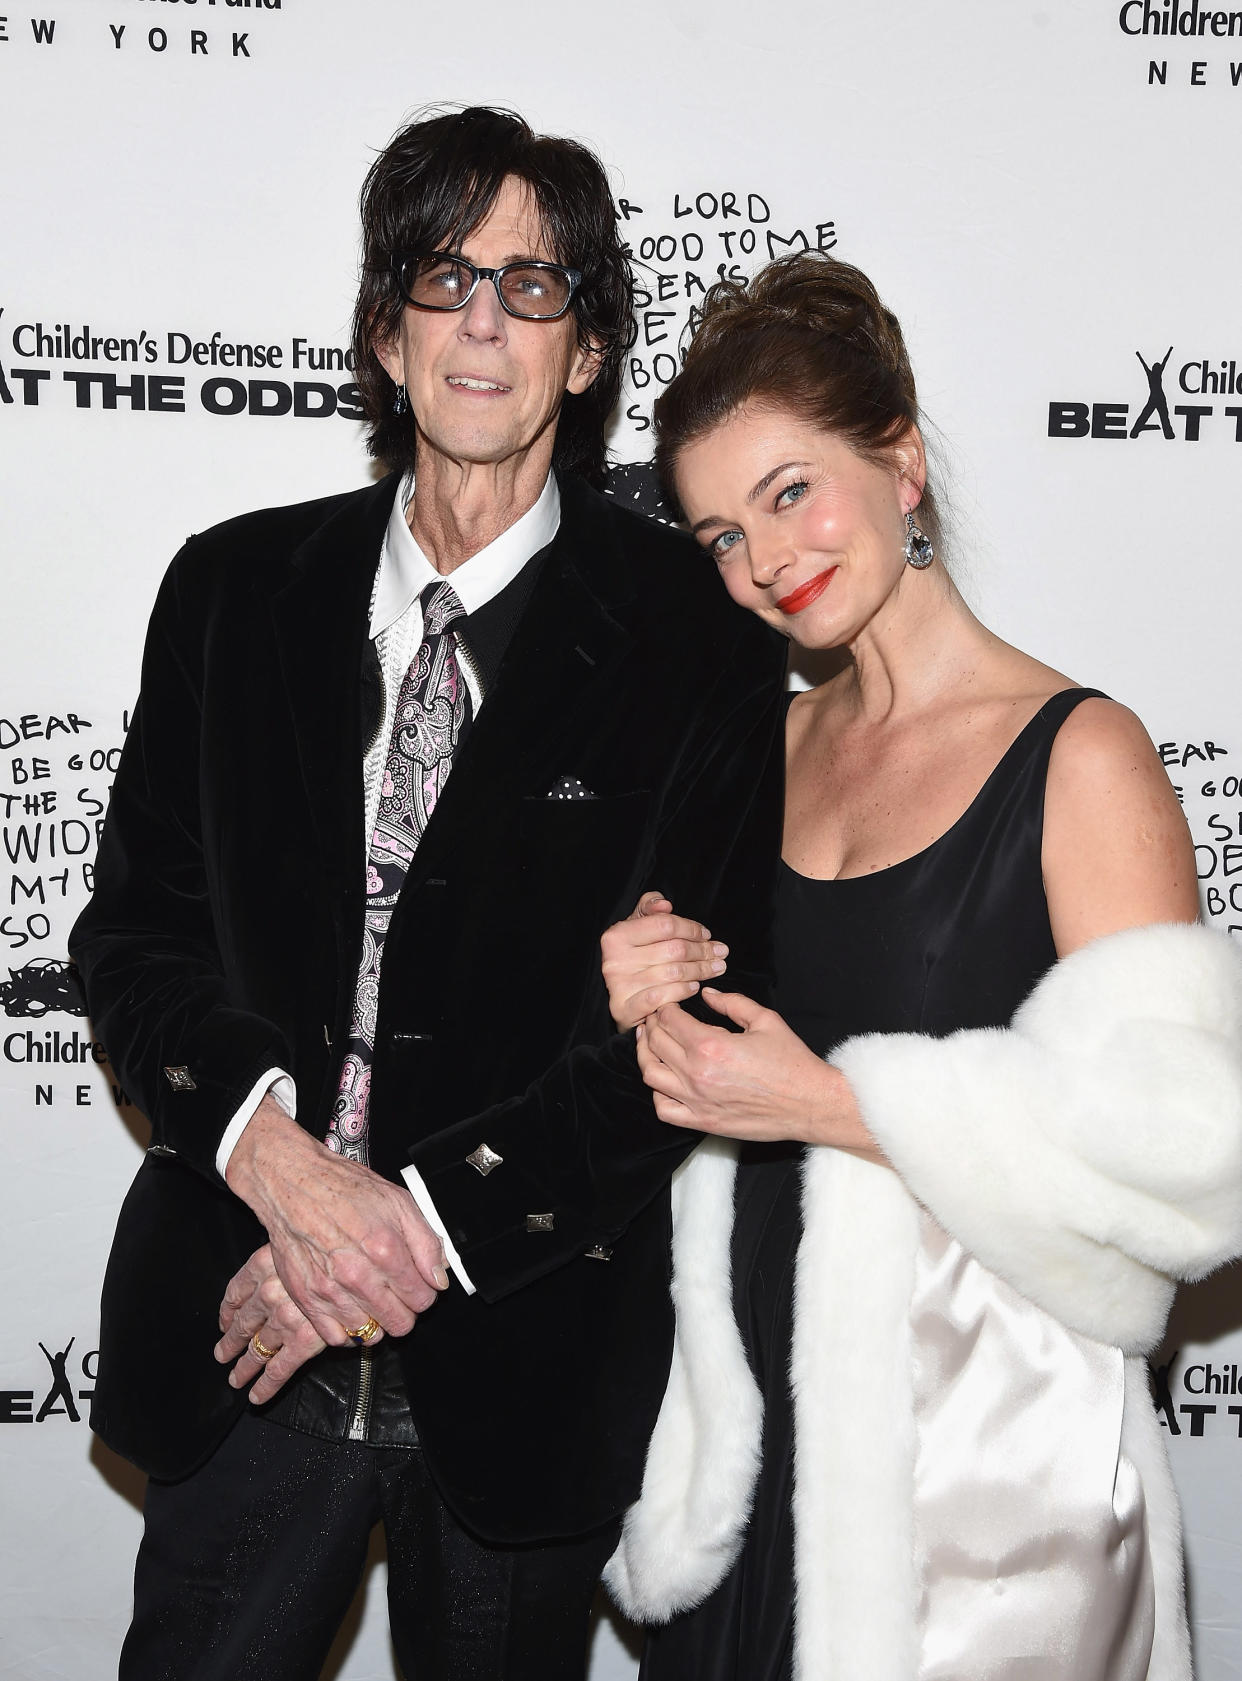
1030,1522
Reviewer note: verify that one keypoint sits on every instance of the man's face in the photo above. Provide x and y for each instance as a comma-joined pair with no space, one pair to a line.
484,386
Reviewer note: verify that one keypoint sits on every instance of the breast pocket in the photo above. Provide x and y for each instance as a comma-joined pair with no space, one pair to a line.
584,854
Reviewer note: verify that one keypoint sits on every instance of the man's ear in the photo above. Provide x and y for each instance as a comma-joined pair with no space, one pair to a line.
585,367
387,353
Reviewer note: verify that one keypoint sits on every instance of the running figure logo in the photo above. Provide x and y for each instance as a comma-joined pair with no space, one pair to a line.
59,1398
1157,402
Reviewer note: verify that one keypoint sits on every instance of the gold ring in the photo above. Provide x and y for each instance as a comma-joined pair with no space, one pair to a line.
261,1349
363,1334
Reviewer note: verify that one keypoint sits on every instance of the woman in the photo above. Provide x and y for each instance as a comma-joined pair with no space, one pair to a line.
921,1443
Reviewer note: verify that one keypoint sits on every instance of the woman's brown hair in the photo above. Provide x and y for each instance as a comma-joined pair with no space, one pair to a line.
810,335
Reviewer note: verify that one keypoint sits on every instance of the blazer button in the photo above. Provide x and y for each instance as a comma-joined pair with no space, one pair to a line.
180,1079
540,1222
598,1252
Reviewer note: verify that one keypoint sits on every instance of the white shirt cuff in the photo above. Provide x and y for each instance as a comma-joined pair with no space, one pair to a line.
427,1209
275,1084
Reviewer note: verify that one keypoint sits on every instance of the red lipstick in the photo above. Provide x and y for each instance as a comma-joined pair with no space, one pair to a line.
806,593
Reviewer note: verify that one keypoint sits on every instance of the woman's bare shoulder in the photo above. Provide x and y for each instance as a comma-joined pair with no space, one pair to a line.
1117,852
1102,739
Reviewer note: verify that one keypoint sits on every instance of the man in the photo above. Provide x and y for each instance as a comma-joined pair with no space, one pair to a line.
284,819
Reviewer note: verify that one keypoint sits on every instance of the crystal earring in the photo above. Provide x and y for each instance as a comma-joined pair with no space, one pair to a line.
918,546
399,404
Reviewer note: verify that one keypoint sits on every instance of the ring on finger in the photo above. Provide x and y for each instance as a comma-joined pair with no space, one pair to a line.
364,1334
261,1349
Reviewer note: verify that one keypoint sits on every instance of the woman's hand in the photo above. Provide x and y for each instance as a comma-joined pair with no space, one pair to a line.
256,1304
762,1084
655,958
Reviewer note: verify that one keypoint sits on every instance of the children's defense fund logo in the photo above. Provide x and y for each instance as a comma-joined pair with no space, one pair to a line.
140,370
1205,42
1173,407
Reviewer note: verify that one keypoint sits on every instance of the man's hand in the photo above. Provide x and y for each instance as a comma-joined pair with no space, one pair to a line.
256,1304
347,1245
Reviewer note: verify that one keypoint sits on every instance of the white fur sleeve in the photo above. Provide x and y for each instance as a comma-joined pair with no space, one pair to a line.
1091,1152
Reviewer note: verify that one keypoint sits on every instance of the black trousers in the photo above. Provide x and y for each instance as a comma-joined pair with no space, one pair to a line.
246,1570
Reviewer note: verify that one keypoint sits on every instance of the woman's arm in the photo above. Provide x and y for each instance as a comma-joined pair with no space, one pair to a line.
1091,1152
1117,852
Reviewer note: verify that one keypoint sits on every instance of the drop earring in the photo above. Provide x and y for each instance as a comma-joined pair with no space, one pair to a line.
399,404
918,546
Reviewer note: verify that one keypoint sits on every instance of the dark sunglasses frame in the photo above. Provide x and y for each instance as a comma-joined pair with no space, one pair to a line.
401,263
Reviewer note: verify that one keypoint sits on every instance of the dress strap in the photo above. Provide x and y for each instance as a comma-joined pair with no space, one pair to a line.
1057,708
1006,817
1025,760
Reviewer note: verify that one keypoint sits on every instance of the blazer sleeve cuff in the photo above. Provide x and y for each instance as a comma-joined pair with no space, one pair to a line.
216,1073
503,1223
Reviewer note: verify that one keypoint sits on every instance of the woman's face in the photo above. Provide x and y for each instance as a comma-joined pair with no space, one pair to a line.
804,531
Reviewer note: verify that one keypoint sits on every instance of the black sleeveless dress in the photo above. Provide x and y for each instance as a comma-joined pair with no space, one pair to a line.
954,937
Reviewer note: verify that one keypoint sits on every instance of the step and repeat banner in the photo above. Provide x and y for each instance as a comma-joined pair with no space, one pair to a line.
1041,191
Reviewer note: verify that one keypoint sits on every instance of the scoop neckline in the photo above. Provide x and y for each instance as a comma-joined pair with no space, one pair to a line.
923,852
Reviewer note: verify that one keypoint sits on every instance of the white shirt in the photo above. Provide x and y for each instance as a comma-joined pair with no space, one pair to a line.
396,628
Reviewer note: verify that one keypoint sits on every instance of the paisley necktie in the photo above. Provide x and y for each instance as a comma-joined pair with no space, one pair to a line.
433,710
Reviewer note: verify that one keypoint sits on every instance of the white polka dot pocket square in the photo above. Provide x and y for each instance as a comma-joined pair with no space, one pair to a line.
569,788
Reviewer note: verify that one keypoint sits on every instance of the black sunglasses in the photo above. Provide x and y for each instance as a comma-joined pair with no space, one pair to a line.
530,290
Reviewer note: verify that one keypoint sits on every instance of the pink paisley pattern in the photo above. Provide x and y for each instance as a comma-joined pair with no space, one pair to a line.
432,709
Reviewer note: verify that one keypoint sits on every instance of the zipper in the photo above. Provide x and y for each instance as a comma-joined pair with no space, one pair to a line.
360,1422
472,665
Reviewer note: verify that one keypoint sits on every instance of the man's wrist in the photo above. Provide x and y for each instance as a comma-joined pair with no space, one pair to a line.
270,1127
273,1082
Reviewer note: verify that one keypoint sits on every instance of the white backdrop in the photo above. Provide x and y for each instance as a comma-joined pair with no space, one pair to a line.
1042,192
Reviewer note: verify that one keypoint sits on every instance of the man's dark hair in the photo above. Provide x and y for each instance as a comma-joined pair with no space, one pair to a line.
427,191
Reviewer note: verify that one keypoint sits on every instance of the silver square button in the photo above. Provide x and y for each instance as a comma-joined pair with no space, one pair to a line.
484,1159
540,1222
180,1079
598,1252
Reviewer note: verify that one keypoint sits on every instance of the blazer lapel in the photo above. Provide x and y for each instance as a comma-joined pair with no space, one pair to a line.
321,623
563,650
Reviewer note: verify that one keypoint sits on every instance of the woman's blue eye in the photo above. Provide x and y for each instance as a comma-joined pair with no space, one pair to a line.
721,545
792,491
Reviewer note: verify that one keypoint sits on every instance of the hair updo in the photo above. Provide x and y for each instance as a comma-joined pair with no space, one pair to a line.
808,334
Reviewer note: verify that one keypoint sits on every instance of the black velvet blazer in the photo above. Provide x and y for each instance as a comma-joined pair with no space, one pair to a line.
224,938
